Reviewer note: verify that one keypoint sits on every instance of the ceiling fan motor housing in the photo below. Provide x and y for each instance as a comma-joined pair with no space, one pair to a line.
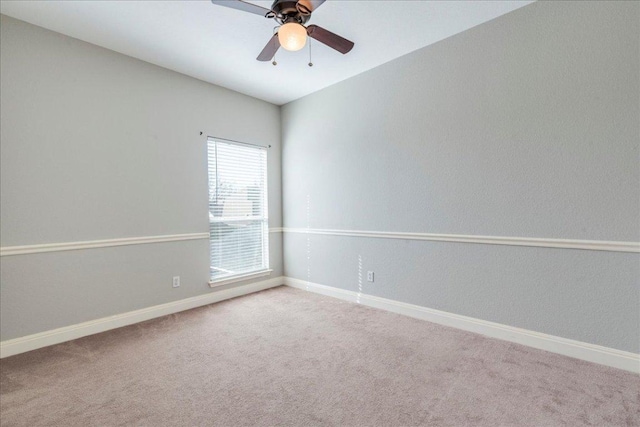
291,11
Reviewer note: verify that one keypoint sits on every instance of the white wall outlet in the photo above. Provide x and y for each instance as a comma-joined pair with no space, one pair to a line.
369,276
176,281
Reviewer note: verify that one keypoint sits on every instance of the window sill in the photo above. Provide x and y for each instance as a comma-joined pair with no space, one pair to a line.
240,278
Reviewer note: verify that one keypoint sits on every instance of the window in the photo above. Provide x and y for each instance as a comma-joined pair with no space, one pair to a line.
238,219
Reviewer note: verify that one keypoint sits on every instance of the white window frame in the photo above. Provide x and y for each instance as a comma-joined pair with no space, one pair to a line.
263,218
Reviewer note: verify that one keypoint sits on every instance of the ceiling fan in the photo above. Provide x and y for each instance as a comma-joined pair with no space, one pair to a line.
291,15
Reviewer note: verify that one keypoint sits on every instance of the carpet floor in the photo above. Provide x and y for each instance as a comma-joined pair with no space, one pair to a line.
290,358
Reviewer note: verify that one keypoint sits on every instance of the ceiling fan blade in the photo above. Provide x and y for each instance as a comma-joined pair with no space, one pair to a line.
242,5
310,5
270,49
332,40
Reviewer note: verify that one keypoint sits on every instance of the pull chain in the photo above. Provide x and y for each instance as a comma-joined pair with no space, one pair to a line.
275,31
310,63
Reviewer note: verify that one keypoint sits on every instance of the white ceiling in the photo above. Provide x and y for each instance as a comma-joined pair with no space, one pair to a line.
219,45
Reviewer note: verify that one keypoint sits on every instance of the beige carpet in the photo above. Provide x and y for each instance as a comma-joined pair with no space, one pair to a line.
292,358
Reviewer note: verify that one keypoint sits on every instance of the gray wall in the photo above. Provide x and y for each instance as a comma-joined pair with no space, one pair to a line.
526,126
97,145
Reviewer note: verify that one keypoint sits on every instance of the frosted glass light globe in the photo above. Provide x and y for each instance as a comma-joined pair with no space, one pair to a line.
292,36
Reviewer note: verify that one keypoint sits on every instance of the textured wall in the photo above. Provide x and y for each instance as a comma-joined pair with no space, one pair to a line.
97,145
525,126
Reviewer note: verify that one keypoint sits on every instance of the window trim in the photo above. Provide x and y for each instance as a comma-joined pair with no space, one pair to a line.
239,278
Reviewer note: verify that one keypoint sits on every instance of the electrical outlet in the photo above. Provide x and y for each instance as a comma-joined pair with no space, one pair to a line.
369,276
176,281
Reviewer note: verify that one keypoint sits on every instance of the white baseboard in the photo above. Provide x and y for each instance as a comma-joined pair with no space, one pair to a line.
68,333
579,350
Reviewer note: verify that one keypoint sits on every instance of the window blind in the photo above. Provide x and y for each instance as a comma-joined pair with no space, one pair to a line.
238,219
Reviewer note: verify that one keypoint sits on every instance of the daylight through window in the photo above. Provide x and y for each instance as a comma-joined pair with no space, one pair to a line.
238,219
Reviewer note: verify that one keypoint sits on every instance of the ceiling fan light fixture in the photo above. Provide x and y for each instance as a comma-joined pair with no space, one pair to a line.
292,36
